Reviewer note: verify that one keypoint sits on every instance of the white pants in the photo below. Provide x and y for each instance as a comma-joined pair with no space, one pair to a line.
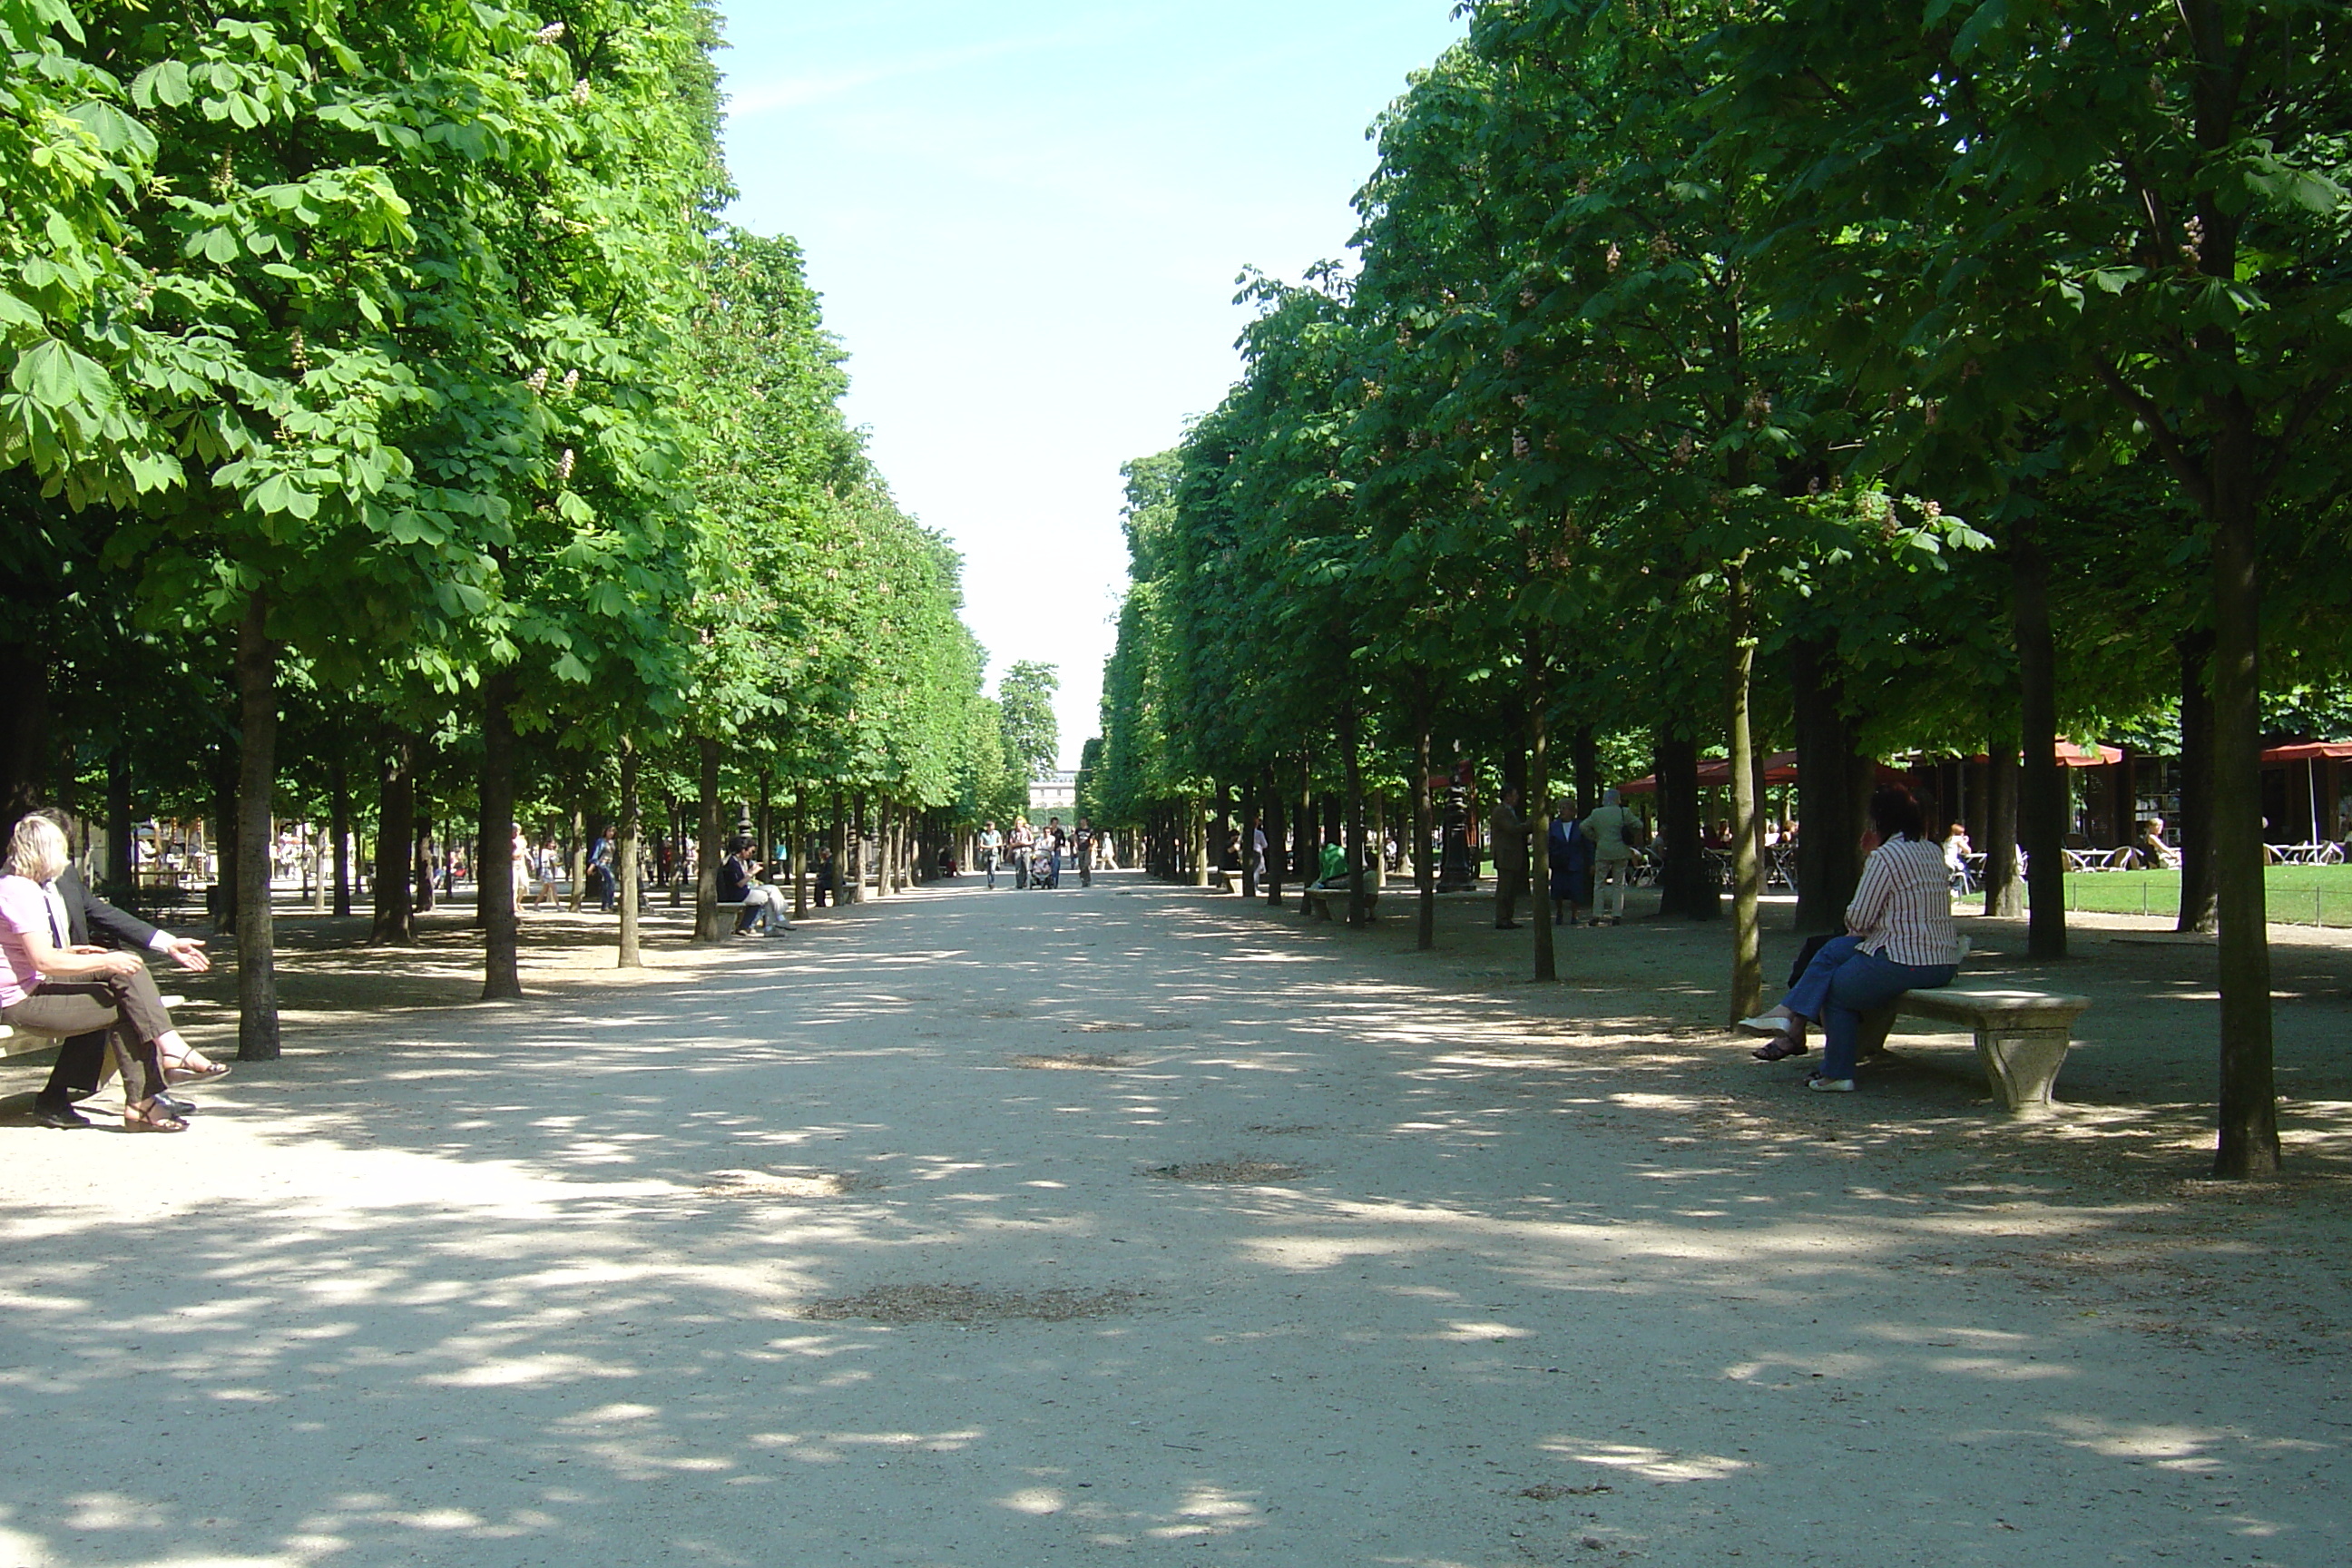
1609,882
764,905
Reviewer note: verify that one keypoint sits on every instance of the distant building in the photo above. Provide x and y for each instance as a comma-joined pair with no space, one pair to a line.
1055,795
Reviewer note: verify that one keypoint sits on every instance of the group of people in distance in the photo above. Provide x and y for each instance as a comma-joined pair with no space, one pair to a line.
1587,855
1036,855
97,997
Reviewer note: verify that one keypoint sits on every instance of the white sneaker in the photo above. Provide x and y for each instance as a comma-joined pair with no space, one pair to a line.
1830,1085
1767,1024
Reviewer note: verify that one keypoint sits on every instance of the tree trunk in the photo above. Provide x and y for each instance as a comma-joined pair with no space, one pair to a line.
226,814
2195,825
1747,826
840,847
1424,852
2042,794
882,847
2248,1143
121,861
1687,884
339,822
625,858
1196,825
494,889
256,939
1360,904
394,922
707,927
421,861
1252,825
1539,802
800,854
2004,896
577,860
1829,827
25,758
1276,851
1584,753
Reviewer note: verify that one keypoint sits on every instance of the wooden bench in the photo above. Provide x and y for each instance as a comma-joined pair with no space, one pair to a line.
1320,901
2023,1036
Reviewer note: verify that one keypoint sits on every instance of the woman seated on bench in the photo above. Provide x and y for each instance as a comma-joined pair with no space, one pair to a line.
48,987
739,883
1899,937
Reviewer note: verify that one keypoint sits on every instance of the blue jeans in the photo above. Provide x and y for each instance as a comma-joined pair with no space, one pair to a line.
1842,983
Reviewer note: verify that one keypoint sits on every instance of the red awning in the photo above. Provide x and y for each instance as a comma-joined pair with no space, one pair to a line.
2071,755
1780,768
2308,752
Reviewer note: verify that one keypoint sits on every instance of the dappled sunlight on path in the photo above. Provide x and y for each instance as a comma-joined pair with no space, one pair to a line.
991,1229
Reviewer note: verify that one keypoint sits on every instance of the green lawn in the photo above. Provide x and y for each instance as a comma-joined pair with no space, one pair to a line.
2299,894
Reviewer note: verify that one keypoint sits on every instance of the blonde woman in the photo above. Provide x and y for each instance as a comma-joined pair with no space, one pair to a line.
50,986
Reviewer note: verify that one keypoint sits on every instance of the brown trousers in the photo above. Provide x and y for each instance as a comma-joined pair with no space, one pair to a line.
128,1008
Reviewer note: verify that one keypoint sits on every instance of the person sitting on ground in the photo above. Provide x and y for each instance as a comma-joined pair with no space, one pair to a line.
51,985
739,883
83,1061
1899,937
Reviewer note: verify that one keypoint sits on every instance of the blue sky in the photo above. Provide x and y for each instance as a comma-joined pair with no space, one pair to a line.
1027,220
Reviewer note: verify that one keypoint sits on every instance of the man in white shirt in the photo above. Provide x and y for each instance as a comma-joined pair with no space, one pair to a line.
1609,827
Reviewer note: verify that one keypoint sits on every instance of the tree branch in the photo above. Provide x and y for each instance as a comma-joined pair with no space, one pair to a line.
2166,442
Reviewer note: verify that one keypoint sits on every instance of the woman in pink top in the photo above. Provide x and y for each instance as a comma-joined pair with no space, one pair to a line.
48,986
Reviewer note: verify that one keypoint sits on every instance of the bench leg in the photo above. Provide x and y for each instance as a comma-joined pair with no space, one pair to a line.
1875,1026
2023,1065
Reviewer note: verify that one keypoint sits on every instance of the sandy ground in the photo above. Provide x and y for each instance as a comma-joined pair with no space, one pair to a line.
1002,1229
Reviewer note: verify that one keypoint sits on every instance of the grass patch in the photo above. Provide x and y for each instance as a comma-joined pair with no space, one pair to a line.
2296,895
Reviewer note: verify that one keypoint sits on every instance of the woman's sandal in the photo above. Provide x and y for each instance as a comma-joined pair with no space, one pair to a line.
211,1072
150,1117
1779,1050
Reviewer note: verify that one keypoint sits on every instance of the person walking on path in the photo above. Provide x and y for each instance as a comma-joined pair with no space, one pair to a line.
992,845
1083,840
1614,831
49,984
1507,831
1899,937
1572,866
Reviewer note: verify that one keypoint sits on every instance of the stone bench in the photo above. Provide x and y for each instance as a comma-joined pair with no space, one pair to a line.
1322,901
2023,1036
19,1044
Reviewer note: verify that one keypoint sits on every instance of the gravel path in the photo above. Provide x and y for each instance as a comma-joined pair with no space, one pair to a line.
975,1230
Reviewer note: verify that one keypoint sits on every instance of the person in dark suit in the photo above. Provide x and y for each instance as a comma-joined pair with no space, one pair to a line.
82,1059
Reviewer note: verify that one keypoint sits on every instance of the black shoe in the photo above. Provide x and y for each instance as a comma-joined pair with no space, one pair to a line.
49,1112
1506,925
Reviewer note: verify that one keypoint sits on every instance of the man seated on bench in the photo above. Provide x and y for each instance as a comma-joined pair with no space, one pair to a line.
1332,874
1899,937
739,883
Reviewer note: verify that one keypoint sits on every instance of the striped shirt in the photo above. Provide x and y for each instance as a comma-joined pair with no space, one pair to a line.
1902,910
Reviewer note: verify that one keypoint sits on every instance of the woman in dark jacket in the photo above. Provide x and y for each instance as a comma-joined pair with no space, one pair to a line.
1571,868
